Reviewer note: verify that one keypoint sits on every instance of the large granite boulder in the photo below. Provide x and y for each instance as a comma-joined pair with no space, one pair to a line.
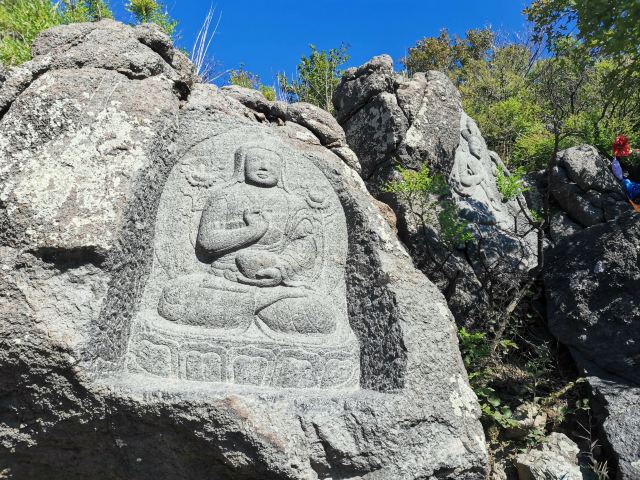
592,283
194,288
585,190
391,120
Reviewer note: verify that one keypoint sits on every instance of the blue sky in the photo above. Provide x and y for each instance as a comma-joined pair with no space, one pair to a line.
270,36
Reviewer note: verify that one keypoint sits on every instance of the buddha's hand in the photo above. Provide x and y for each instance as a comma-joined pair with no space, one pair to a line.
271,273
253,217
266,277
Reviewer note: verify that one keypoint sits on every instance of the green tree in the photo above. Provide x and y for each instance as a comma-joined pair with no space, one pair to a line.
612,28
528,107
246,79
20,22
611,32
427,198
565,90
74,11
449,55
152,11
497,94
318,77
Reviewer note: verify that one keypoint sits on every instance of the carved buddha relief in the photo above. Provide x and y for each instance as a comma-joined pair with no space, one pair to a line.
265,245
258,285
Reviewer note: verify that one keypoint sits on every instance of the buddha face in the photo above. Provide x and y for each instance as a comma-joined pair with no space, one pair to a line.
475,146
262,168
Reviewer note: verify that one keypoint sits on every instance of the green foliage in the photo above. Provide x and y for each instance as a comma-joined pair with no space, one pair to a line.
413,184
454,231
268,92
533,149
74,11
448,54
612,28
511,375
22,20
537,215
474,347
476,350
318,77
525,106
152,11
511,185
609,34
426,195
246,79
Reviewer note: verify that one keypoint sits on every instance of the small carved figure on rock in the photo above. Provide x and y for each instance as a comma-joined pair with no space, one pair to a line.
471,172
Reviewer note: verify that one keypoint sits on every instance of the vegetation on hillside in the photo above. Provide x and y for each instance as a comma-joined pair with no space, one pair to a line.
152,11
246,79
532,96
527,103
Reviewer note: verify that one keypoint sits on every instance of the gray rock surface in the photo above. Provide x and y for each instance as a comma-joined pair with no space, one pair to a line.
95,133
556,458
591,284
585,190
615,404
392,120
324,128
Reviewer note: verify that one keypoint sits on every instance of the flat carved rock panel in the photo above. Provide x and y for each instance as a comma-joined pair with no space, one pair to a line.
248,278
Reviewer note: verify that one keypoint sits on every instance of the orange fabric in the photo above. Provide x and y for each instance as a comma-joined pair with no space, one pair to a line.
635,206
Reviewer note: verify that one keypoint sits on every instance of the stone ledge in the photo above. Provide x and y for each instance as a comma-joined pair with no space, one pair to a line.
164,349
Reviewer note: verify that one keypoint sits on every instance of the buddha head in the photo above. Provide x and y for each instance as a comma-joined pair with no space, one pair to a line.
474,138
475,143
258,166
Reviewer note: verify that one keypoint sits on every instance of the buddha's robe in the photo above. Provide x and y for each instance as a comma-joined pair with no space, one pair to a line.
269,276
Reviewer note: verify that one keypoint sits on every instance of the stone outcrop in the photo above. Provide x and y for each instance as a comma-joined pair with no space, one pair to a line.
109,153
392,120
585,191
591,284
557,457
388,118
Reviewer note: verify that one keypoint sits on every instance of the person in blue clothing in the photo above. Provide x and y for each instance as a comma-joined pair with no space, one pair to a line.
621,148
633,189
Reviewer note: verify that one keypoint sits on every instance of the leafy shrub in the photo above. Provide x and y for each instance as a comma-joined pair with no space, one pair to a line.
246,79
318,77
74,11
426,196
152,11
20,22
511,185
